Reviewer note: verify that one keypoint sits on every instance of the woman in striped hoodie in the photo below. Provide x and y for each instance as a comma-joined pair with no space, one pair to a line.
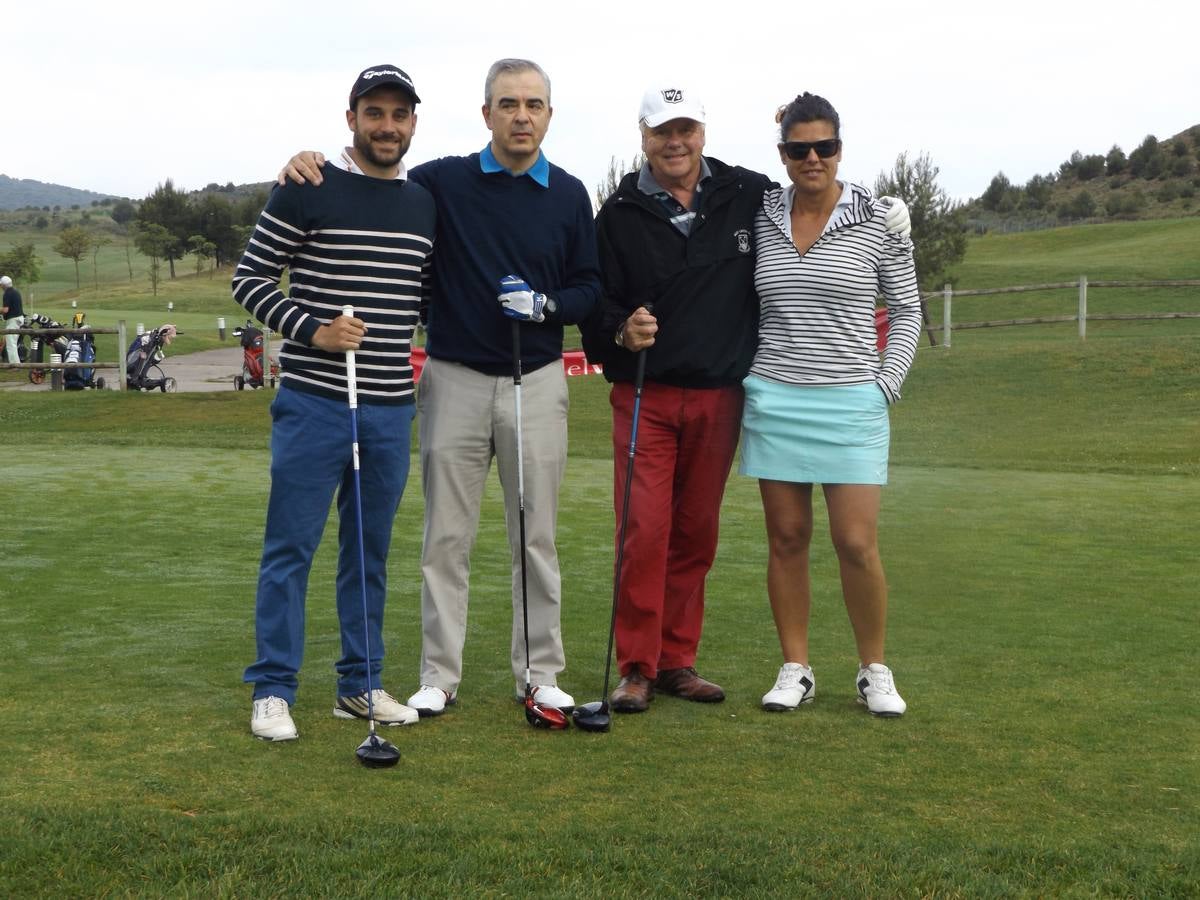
818,392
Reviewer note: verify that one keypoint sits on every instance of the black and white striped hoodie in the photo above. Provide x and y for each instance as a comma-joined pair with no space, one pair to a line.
817,321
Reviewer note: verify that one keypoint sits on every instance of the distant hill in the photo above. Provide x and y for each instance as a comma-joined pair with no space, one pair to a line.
16,193
1155,180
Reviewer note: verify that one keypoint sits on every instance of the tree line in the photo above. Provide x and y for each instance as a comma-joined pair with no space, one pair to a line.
166,226
1162,171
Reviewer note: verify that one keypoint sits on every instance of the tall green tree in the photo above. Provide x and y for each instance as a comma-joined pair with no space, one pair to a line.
155,242
73,243
214,220
169,209
939,230
22,264
201,248
123,212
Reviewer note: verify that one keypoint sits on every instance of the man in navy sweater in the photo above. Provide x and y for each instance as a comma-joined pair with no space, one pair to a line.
363,240
505,211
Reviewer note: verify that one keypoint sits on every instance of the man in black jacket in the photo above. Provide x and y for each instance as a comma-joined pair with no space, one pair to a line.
677,259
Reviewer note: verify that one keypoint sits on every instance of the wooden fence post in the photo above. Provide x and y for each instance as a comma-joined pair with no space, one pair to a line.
947,293
1083,307
266,359
122,382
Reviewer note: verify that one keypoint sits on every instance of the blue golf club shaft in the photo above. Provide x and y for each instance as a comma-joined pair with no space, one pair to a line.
352,393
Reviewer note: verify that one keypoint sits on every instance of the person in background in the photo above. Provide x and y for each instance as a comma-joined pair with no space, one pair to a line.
363,240
14,317
817,395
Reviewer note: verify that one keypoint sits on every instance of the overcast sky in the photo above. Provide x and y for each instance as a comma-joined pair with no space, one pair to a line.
118,97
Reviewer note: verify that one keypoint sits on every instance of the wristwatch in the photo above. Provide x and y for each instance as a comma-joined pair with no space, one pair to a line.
619,337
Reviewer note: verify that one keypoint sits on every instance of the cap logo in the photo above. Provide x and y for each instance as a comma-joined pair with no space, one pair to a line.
672,95
377,73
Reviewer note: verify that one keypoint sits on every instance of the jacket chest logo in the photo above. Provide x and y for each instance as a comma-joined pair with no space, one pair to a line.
742,237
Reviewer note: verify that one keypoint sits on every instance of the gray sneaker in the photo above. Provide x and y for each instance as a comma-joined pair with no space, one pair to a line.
388,710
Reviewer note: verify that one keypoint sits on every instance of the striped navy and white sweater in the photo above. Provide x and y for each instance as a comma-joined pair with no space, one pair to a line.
356,240
817,313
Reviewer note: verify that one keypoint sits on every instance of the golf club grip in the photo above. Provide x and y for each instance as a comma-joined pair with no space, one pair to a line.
351,370
516,353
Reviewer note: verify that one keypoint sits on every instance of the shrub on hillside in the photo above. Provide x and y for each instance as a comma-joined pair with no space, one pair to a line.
1090,167
1080,206
1115,162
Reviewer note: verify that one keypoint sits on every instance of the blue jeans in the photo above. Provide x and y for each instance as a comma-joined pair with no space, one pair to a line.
310,460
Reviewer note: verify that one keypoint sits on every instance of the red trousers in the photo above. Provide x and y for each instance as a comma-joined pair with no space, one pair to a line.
685,444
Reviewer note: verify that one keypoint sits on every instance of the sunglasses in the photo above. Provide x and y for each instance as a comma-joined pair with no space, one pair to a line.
800,149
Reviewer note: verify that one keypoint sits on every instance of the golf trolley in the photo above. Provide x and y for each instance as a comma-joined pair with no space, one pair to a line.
81,348
37,344
252,358
142,369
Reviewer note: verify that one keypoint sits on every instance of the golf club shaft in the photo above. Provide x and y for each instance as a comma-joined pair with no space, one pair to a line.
638,381
352,394
516,344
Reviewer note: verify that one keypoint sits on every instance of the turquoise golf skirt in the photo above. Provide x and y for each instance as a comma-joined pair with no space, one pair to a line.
821,434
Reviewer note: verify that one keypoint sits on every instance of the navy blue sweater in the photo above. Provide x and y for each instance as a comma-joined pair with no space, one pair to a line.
490,225
360,241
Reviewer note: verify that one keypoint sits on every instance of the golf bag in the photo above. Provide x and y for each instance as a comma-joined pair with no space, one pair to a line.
37,344
141,361
252,358
81,348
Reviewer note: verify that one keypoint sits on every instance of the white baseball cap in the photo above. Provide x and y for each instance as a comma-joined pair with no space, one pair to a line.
5,281
662,104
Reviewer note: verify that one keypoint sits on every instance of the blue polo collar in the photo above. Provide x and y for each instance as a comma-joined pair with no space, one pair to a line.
539,171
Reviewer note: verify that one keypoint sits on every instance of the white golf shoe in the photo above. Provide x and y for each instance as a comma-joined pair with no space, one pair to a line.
549,696
388,710
795,685
271,721
877,691
431,701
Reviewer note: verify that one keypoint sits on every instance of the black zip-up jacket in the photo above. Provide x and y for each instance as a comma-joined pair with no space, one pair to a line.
701,286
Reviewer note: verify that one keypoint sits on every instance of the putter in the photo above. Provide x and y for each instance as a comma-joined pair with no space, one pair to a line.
536,715
595,716
374,752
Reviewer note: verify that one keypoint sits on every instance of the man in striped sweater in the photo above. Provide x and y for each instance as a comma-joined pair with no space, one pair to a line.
363,240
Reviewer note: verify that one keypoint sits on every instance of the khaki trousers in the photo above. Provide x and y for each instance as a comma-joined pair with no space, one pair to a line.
466,418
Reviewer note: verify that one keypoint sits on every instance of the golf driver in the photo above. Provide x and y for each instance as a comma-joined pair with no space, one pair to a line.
595,716
535,715
374,752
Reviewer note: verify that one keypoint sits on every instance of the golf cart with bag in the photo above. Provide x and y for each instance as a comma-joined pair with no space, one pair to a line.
81,348
252,358
142,369
37,344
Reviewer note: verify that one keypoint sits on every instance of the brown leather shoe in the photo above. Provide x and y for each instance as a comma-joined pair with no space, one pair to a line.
633,694
687,684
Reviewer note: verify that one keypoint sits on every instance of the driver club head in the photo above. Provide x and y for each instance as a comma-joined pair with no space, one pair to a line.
593,716
376,753
543,716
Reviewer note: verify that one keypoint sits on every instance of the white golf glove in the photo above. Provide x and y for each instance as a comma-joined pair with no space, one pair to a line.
519,302
896,218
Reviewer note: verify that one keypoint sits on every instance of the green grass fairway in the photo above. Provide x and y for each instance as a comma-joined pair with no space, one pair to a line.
1039,534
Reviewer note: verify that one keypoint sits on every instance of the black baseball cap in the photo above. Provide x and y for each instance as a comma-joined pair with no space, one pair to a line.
377,76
